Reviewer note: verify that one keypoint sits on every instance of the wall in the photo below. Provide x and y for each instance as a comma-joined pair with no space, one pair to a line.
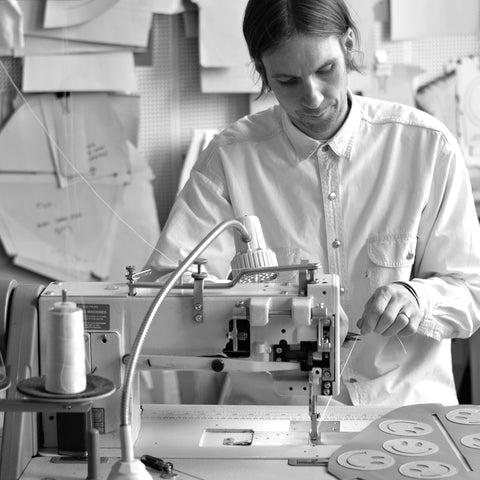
172,105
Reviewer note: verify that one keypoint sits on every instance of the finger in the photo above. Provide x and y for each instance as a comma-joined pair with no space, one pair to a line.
406,323
374,309
400,323
412,326
388,319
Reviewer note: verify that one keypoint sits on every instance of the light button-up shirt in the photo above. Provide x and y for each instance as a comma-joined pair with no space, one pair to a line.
388,199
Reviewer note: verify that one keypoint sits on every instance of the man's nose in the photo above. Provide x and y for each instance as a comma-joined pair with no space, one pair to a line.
312,95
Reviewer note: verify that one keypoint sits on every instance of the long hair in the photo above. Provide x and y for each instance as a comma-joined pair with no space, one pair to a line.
267,24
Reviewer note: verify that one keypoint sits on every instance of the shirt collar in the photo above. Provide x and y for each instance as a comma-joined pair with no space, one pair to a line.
341,143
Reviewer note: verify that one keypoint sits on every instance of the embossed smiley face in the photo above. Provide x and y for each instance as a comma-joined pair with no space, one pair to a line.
427,469
471,441
464,416
365,460
410,447
405,428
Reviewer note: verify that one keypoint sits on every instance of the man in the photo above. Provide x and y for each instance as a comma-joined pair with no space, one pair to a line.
376,192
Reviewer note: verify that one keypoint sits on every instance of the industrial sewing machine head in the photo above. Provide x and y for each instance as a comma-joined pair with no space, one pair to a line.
288,329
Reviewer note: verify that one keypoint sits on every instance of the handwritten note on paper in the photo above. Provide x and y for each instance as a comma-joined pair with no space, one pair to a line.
67,230
82,134
71,233
107,148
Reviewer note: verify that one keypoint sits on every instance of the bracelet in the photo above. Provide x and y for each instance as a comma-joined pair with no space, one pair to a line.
411,290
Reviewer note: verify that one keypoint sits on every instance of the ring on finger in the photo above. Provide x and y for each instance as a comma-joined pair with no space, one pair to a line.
404,314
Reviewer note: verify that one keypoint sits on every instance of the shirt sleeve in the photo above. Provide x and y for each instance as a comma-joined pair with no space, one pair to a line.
200,206
447,269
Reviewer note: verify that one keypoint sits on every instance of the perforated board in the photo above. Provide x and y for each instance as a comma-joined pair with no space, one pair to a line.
173,105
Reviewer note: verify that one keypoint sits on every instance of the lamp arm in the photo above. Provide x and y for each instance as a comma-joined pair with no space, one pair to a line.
125,417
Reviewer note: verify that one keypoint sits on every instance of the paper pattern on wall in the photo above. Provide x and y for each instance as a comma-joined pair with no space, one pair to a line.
96,72
410,19
77,195
126,23
65,13
221,39
468,97
168,7
62,231
11,27
224,58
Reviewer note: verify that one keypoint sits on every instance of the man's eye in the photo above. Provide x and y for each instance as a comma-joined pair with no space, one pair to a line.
287,81
326,68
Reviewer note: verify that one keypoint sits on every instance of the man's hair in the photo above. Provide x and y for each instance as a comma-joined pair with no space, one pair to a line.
267,24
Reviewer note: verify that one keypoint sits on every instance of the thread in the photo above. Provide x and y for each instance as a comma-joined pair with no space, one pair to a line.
65,349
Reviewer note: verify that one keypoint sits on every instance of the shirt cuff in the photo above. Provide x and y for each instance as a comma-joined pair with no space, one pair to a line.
428,325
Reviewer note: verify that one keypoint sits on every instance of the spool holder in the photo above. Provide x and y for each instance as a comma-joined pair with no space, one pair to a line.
38,400
97,387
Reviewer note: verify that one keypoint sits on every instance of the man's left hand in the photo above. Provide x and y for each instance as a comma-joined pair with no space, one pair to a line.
391,310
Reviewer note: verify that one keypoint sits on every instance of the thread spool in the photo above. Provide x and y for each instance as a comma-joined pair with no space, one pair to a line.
65,348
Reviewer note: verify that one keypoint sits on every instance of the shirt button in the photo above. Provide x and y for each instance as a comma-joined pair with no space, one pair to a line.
342,290
332,196
336,243
325,148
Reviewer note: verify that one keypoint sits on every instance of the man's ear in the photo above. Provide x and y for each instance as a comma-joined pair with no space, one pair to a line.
348,40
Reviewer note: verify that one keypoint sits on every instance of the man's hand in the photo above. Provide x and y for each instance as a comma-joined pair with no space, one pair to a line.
391,310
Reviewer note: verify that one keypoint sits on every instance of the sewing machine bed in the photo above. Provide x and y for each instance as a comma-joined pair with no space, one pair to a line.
215,442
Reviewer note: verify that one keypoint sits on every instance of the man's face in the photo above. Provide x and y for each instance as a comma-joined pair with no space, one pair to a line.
308,75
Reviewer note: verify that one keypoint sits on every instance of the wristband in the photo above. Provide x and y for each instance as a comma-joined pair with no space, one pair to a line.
411,290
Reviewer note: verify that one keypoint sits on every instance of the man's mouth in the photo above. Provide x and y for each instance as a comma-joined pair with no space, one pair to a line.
314,113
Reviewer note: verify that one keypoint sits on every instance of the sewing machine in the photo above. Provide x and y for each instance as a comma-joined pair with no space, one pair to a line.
289,330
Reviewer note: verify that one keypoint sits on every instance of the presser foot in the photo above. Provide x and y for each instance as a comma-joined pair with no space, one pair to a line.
320,431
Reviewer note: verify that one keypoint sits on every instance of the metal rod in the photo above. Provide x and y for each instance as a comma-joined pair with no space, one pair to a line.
233,282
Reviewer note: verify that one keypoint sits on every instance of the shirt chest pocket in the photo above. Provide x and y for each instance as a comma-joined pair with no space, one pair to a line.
390,258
